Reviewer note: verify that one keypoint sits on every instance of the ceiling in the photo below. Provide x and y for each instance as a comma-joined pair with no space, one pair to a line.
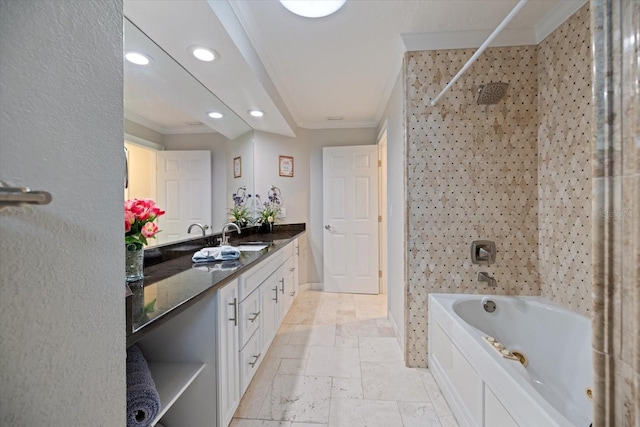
309,72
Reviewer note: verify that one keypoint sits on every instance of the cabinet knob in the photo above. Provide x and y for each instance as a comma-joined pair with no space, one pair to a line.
255,316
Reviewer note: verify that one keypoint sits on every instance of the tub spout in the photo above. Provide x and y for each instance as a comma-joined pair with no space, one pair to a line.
483,276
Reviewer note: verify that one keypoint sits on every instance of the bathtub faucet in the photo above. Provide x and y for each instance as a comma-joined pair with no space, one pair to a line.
483,276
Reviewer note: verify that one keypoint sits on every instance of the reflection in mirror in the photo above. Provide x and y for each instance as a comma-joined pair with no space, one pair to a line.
166,128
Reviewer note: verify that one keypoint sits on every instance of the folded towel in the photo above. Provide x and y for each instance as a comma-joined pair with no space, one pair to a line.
143,402
218,266
221,253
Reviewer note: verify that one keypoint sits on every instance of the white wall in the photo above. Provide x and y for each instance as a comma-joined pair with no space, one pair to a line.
62,323
317,139
295,190
217,144
242,147
394,121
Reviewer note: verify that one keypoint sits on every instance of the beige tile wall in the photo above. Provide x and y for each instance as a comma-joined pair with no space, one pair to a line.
564,170
517,172
472,174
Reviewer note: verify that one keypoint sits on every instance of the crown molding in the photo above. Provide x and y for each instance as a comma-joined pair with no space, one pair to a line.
166,130
558,15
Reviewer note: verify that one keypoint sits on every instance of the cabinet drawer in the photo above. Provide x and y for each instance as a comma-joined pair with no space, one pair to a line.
251,280
250,316
250,358
288,250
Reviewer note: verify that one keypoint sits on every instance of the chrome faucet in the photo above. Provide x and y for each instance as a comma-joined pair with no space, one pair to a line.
483,276
203,228
225,239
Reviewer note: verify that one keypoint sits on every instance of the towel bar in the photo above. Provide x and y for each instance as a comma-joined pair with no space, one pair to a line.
20,196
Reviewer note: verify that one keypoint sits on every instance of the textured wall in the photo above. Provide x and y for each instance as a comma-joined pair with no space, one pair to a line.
472,174
62,325
564,169
616,213
396,262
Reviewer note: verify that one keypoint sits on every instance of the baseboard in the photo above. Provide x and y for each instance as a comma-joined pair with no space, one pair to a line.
310,286
396,330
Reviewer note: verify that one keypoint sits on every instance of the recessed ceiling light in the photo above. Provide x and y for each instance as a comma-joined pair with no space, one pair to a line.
215,115
313,8
138,58
256,113
204,53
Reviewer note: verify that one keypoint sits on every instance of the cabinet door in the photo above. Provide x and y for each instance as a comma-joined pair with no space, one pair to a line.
228,353
250,358
270,295
283,294
289,277
296,277
249,317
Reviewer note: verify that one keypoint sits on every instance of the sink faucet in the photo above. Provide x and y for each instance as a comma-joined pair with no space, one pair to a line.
483,276
225,239
203,228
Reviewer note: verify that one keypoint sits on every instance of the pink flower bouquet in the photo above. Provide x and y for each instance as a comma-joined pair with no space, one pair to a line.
139,215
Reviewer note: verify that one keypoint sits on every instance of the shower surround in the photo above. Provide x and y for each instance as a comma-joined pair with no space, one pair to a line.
516,172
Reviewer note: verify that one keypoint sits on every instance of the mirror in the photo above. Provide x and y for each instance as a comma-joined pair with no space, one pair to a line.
166,110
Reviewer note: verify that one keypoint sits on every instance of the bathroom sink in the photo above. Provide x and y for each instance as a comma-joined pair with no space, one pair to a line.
251,247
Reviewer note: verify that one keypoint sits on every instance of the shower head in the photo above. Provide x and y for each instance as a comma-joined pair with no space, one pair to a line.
491,93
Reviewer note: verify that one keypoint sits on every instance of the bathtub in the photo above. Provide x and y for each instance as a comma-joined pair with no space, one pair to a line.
485,389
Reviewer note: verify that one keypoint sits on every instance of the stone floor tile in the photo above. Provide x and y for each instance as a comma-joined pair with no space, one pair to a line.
364,413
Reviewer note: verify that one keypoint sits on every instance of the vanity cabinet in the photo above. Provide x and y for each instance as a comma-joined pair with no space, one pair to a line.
204,359
276,290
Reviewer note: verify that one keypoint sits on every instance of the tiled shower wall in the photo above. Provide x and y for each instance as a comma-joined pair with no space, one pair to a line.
471,174
517,172
564,169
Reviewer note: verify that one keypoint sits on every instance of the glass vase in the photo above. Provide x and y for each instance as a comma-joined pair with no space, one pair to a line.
265,228
134,262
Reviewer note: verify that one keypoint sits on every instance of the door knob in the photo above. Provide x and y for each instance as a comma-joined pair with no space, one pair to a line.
328,227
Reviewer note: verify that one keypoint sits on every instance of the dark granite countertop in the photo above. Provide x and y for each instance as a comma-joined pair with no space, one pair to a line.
173,284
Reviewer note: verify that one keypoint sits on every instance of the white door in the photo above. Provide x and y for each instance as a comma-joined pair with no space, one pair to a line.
350,212
184,192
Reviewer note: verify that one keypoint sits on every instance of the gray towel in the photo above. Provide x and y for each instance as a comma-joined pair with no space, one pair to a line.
143,402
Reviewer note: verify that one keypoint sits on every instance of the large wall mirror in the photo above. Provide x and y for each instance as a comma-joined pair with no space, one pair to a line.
188,162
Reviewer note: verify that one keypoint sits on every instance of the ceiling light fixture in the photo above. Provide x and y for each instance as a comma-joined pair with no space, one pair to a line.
138,58
313,8
203,53
256,113
215,115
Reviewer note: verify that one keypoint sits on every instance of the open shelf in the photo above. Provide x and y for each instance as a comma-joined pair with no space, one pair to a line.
172,379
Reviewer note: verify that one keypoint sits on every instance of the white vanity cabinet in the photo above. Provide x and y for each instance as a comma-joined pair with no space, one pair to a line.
204,358
272,284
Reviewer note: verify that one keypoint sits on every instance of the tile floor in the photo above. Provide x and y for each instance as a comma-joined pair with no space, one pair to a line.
336,362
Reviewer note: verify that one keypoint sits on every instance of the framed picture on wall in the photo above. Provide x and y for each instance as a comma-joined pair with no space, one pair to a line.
286,166
237,167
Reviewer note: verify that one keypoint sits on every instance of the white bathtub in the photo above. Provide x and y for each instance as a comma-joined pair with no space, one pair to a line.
485,389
